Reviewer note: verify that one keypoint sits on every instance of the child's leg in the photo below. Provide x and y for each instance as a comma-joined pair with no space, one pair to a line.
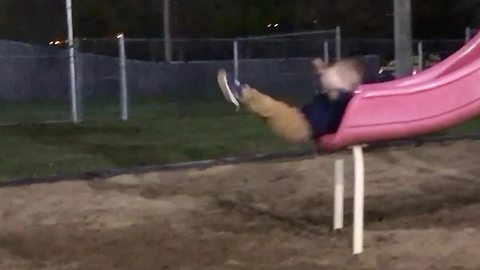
284,120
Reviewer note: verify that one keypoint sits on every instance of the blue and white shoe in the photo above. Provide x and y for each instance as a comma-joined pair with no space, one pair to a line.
231,88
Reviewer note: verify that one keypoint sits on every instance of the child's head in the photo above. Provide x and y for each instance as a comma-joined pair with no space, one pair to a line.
345,74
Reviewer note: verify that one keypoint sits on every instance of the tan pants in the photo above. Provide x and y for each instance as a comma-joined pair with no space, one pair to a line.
286,121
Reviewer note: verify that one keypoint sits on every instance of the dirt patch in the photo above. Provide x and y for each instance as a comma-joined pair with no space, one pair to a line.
421,213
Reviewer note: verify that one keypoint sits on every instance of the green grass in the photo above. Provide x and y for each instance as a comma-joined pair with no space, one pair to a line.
465,128
160,131
170,132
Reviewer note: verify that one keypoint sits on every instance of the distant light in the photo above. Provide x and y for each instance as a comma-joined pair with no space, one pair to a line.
57,42
51,42
276,25
119,35
269,25
315,21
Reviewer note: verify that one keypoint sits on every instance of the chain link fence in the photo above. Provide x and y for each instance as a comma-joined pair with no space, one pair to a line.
187,86
97,64
36,77
34,83
280,65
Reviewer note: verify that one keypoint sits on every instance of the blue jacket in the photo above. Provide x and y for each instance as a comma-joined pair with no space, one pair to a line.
325,115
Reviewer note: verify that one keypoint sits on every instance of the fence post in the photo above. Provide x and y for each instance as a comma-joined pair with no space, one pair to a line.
123,78
326,52
468,34
71,56
338,43
420,55
79,62
402,21
235,59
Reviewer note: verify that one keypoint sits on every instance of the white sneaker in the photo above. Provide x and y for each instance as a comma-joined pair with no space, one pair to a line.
230,87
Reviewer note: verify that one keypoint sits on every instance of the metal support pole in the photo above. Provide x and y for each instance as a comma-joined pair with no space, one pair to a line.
403,38
338,43
166,30
123,77
338,195
358,200
326,52
235,59
420,56
71,54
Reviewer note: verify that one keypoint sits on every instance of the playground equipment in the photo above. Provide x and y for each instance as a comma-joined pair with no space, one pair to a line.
437,98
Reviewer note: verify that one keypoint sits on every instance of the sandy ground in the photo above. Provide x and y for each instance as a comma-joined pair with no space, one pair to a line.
422,212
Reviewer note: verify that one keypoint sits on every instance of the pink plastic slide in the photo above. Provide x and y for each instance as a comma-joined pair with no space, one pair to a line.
437,98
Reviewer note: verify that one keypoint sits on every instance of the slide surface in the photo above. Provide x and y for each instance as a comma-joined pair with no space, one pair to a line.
444,96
